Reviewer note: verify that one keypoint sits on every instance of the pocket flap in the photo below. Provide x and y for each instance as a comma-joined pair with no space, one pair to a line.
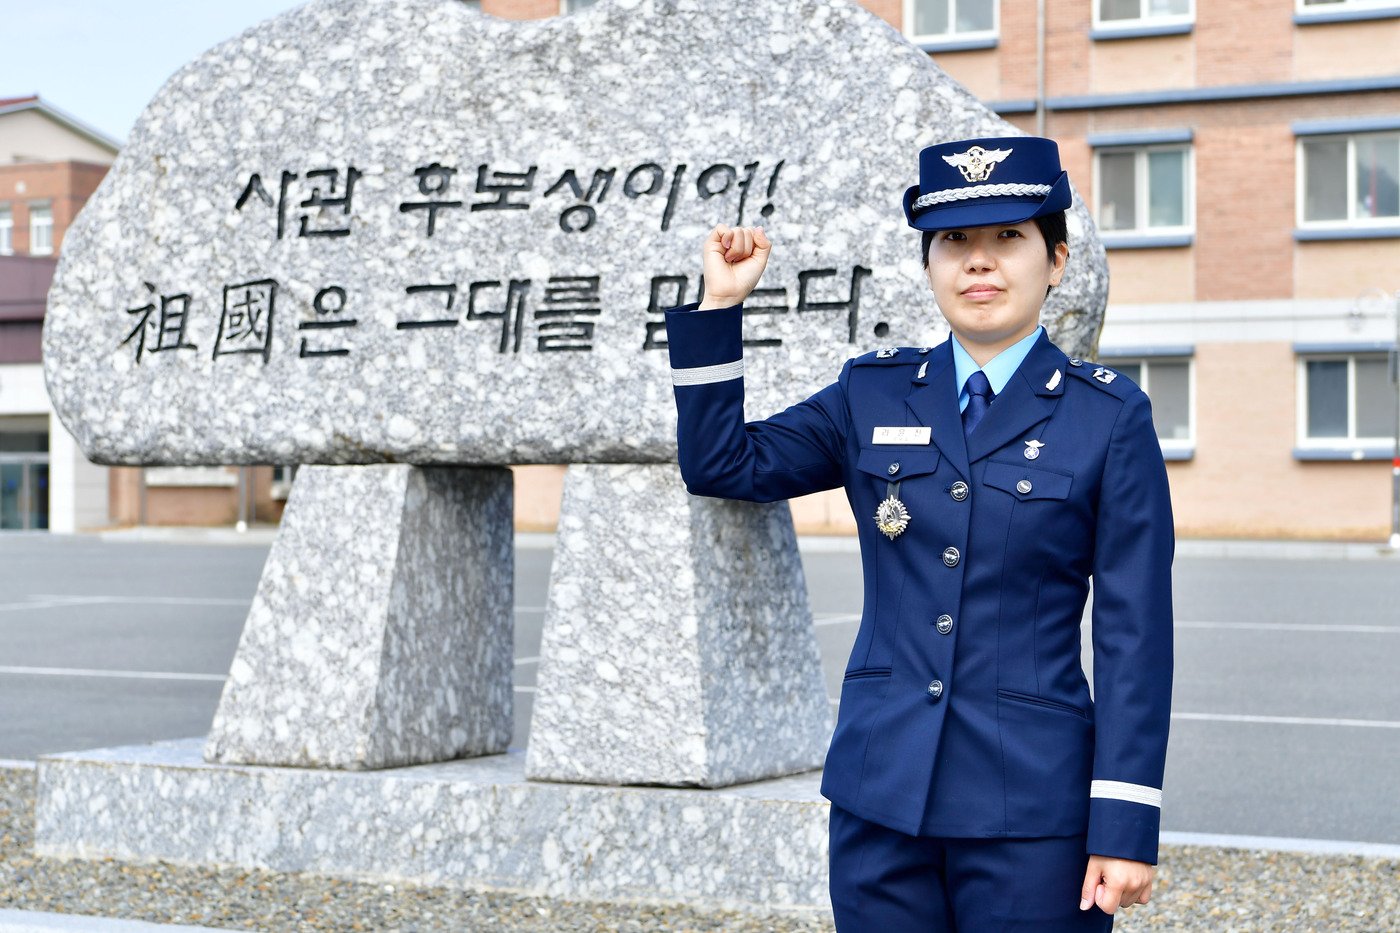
907,462
1028,482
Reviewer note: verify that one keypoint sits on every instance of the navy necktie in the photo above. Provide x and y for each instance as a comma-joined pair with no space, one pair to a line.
980,397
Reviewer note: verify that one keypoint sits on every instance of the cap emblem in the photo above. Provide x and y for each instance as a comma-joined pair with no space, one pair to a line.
976,164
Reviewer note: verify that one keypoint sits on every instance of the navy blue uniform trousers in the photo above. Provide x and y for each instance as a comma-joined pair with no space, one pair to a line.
887,881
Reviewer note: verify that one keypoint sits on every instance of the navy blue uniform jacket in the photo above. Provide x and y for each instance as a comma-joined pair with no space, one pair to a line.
985,590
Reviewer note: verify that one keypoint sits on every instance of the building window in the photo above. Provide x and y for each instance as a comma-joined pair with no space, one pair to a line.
1144,189
1168,383
282,477
40,229
932,20
1110,13
1345,399
1315,6
7,232
573,6
1351,180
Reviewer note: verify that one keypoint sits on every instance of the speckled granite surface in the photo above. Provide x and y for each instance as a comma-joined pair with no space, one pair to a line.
1197,888
398,230
678,645
381,632
474,821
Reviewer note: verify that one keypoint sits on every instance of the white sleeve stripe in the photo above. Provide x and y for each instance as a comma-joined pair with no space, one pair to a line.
704,375
1133,793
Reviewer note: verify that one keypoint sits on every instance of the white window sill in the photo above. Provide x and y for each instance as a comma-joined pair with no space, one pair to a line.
1361,450
1125,239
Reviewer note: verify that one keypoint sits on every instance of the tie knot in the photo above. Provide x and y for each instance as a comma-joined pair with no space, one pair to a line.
977,384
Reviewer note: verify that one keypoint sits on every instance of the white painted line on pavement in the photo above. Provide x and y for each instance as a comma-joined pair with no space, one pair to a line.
88,672
173,600
1284,844
1289,720
520,661
1298,627
522,689
837,620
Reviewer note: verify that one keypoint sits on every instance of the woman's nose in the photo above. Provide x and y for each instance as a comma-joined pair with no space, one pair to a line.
979,257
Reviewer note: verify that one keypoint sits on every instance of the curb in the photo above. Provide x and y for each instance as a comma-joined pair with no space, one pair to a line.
809,544
33,921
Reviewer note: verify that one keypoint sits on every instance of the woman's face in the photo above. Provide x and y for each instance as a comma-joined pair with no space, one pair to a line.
990,282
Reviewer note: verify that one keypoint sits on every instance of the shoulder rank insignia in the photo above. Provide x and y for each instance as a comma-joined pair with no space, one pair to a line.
885,353
1105,375
1032,449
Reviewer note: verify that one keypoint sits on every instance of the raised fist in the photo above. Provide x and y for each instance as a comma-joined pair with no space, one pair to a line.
734,259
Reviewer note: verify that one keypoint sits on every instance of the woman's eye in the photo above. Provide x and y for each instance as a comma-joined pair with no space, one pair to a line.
953,235
1011,232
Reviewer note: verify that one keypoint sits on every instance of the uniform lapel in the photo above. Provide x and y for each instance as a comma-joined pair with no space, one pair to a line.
933,399
1027,399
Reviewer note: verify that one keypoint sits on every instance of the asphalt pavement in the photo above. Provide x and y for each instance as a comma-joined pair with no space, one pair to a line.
1286,709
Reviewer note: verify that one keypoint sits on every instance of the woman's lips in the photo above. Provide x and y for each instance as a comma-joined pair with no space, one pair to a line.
982,292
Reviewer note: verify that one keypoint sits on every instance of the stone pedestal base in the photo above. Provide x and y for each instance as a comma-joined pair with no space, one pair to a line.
678,645
474,823
381,632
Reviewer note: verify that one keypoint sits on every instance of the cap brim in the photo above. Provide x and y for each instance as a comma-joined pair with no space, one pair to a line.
986,211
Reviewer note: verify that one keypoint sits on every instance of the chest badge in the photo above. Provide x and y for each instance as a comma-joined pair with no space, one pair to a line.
1105,375
891,517
1032,449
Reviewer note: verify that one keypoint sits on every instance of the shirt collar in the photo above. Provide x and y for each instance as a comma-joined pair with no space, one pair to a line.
1000,368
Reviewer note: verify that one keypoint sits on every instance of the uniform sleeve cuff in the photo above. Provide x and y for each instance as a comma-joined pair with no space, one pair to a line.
1124,829
704,339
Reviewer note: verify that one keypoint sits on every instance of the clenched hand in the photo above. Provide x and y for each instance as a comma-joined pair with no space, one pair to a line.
734,259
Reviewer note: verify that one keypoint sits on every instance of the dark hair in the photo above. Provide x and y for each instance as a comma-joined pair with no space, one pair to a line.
1052,228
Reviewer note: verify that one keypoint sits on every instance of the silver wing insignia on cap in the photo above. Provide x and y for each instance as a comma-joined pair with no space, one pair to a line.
976,164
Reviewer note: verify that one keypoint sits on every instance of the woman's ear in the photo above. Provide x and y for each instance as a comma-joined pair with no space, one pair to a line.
1057,272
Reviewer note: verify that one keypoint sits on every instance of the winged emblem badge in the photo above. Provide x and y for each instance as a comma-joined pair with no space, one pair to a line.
976,164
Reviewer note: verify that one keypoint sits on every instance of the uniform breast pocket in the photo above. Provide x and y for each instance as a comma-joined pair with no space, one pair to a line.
1028,483
892,464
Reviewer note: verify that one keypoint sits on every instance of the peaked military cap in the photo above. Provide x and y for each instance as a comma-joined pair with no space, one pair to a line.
995,180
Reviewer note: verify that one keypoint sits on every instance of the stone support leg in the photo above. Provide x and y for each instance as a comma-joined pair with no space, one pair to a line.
678,646
381,632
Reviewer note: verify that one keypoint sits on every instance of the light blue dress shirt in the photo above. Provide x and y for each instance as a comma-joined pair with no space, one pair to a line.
999,369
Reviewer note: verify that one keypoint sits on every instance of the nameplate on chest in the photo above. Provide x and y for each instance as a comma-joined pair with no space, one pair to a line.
902,436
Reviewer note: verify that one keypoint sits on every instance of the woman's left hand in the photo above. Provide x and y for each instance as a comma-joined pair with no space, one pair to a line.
1115,882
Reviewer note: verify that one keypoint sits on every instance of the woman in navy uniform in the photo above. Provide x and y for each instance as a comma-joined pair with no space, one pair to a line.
974,784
